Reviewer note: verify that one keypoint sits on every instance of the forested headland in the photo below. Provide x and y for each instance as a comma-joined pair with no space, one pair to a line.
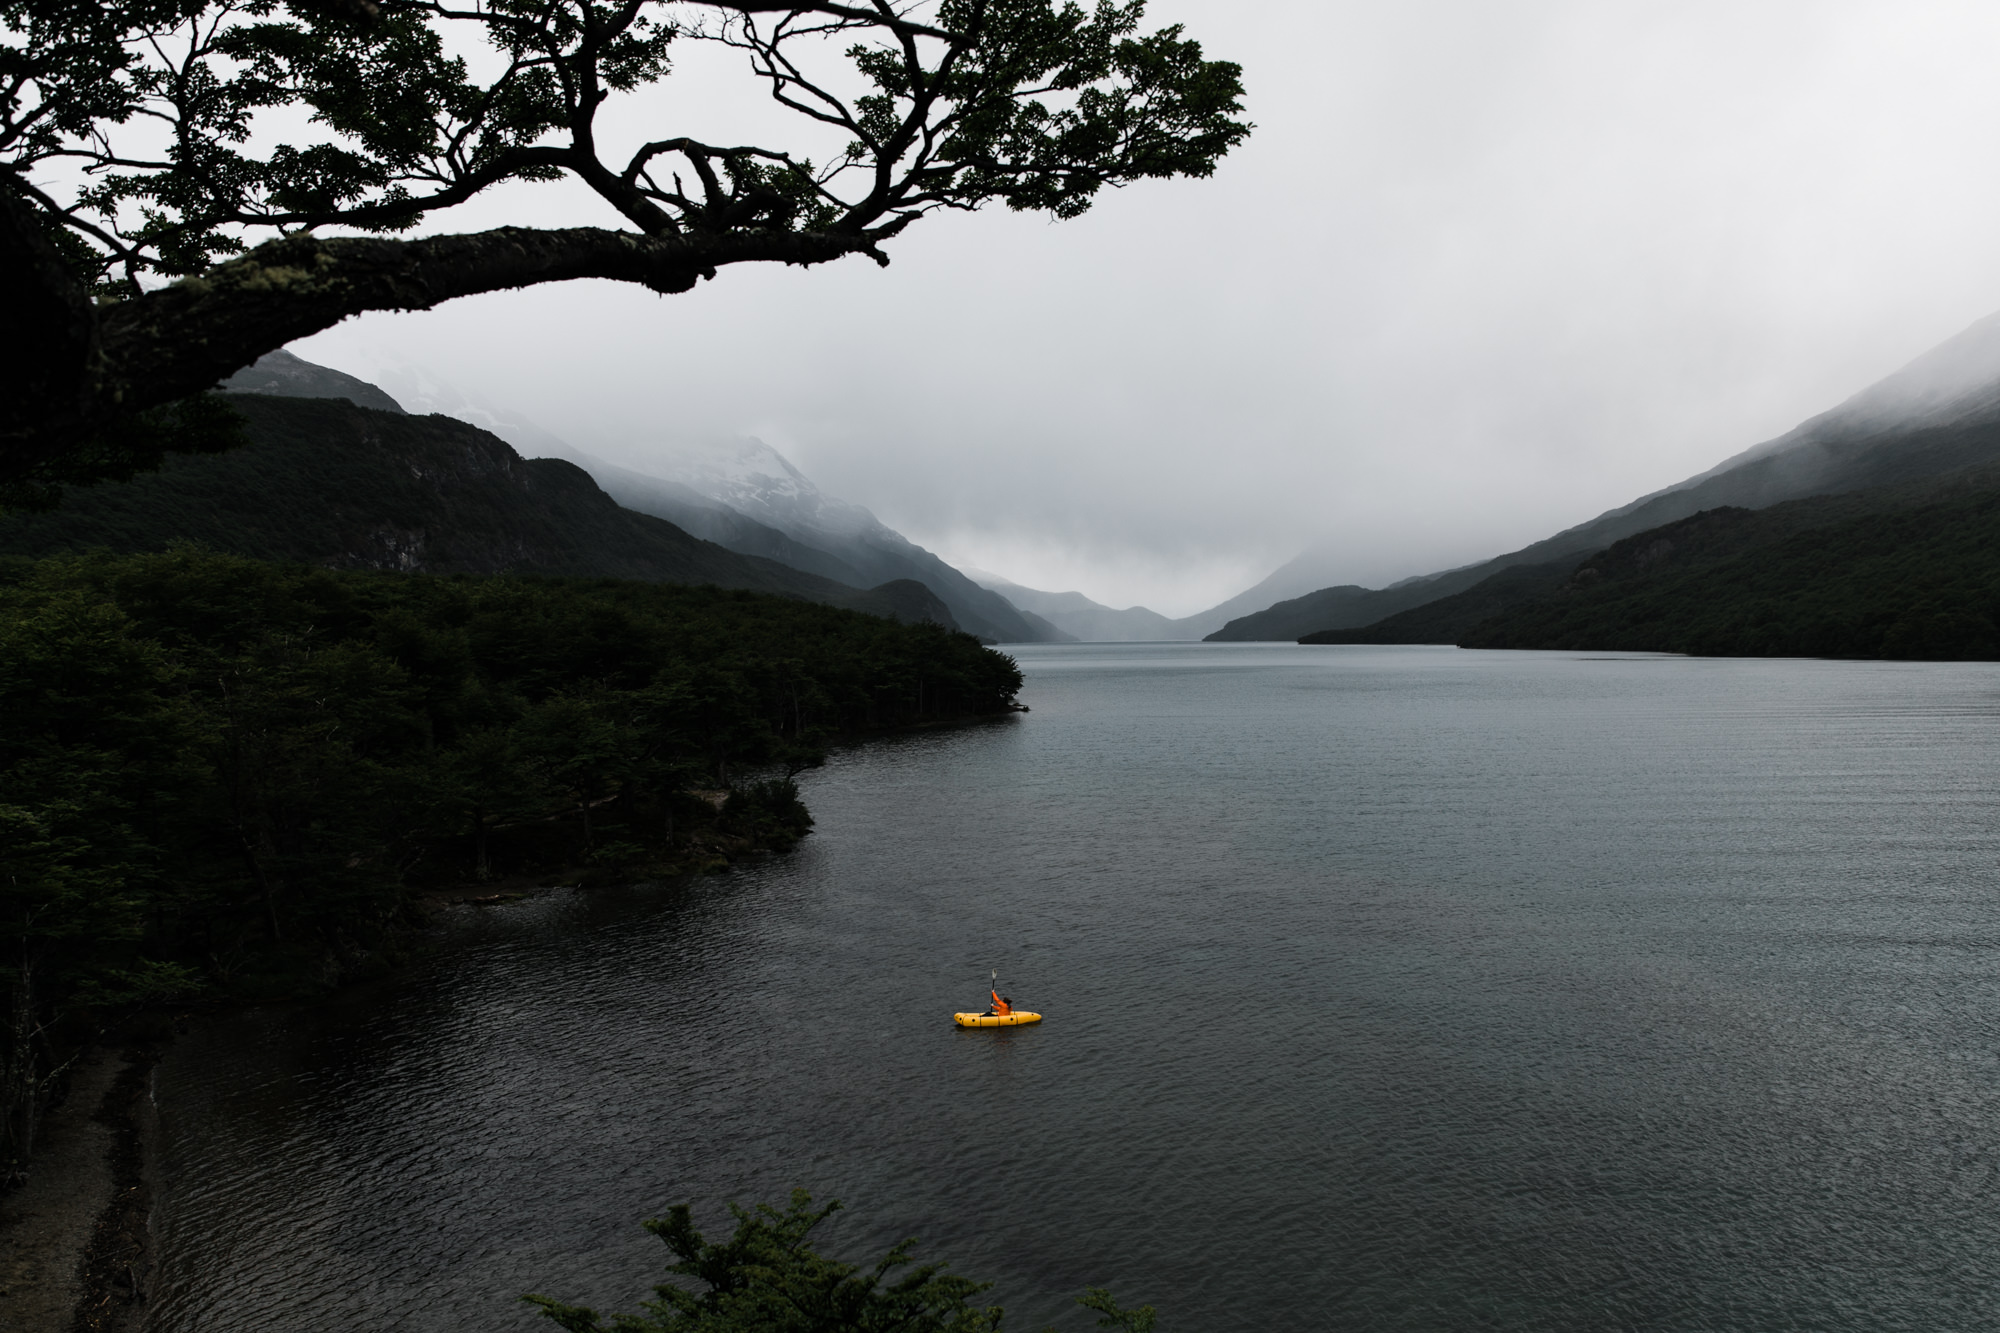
232,777
1901,573
1910,571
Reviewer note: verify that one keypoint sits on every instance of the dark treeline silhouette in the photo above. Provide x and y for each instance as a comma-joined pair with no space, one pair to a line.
1909,571
1872,574
220,774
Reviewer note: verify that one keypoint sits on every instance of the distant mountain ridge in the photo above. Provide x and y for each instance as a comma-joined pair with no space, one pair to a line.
1084,620
1310,572
1936,415
1905,571
1955,383
753,481
746,496
708,519
326,482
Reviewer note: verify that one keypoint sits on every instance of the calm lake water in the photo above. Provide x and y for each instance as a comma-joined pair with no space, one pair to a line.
1387,988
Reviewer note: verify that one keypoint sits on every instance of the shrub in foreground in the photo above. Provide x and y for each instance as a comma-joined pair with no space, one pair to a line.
767,1278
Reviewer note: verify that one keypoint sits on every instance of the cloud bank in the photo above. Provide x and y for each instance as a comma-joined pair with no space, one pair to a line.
1482,272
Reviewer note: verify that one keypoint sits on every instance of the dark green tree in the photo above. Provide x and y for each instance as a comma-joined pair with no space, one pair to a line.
719,714
92,744
310,796
222,771
767,1278
484,781
575,743
191,183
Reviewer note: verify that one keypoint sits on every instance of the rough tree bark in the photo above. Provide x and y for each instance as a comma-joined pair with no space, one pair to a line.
89,364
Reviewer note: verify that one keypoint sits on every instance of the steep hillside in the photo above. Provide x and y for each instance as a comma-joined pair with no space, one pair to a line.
281,375
1887,456
325,482
1956,383
716,522
1937,415
1314,570
753,481
740,494
1917,461
1348,604
1903,572
737,493
1448,619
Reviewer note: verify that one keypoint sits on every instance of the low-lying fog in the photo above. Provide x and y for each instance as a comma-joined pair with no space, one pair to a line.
1481,272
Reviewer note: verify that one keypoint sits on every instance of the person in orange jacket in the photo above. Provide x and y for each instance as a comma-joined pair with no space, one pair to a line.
1002,1006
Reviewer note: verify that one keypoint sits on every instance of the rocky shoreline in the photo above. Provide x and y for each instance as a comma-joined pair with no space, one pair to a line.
76,1248
116,1270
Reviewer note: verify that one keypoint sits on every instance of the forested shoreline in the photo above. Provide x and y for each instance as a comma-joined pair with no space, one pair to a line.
227,777
1901,574
1905,572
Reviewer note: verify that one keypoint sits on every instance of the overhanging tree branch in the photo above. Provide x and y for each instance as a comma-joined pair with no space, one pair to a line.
294,287
160,104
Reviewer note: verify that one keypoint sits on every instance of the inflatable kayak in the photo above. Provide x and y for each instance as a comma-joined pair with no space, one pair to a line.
995,1020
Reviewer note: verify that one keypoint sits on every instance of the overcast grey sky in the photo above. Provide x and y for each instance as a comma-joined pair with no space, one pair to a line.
1484,270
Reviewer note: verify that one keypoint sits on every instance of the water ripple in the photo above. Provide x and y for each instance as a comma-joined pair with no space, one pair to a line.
1388,989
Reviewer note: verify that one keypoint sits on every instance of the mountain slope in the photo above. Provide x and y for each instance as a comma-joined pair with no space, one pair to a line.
1350,604
1078,617
754,481
1448,619
1955,383
1901,572
325,482
1312,571
1938,414
712,521
739,494
279,374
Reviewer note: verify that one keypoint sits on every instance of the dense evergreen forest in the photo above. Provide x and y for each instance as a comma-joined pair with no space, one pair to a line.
1906,573
1448,619
226,776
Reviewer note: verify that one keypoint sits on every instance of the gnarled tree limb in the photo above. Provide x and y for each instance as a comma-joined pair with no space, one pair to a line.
151,116
180,340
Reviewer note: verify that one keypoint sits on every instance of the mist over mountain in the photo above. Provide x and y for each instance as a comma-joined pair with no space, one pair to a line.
740,494
1955,383
744,494
1085,620
1904,571
680,505
1305,577
1309,573
324,482
1938,414
713,521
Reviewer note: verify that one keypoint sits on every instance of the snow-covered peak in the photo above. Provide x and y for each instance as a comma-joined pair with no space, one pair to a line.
742,473
745,467
754,479
423,392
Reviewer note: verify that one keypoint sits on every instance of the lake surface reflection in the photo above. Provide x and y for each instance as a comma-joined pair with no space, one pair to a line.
1387,988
